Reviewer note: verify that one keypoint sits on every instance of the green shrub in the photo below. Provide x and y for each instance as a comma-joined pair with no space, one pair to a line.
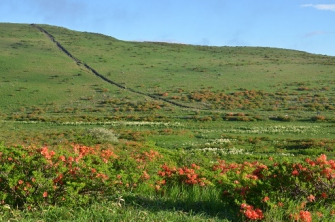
102,135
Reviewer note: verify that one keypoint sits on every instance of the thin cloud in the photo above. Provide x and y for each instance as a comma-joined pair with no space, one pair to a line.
311,34
236,40
329,7
60,10
172,41
204,41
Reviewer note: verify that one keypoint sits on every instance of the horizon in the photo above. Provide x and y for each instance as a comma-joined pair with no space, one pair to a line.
295,25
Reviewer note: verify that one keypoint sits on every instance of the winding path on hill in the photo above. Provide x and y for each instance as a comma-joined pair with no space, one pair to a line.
79,63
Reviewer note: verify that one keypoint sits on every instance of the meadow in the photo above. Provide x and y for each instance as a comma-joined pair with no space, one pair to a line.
98,129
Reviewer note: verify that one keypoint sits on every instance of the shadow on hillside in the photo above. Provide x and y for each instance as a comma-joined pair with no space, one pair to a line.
210,209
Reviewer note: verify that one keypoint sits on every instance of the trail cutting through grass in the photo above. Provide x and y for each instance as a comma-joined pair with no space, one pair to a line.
63,49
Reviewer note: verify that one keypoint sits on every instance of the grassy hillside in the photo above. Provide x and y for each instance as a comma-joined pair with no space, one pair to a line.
219,79
55,75
116,119
38,78
204,77
169,67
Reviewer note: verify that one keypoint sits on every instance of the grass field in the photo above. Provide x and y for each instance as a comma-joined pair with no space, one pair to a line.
191,104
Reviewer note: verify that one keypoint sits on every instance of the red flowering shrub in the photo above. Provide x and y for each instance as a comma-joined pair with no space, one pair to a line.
31,176
182,175
34,176
262,186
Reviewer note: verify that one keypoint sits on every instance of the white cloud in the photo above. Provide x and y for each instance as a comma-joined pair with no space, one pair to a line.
330,7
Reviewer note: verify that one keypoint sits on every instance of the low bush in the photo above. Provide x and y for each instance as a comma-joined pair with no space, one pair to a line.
39,177
102,135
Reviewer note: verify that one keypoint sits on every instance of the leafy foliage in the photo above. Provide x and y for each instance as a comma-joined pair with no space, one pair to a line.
38,177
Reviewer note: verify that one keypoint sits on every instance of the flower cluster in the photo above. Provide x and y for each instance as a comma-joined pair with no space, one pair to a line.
303,216
279,129
251,213
184,175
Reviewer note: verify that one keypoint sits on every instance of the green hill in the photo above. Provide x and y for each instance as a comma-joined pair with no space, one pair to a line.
106,75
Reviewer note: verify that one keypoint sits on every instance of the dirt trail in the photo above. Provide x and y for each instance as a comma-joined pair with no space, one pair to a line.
79,63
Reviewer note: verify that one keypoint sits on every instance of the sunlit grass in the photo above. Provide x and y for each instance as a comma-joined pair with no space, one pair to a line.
250,104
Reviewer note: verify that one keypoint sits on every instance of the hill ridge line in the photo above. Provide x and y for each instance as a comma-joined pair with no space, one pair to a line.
63,49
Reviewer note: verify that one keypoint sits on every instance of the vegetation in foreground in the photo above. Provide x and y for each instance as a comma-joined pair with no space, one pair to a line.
138,177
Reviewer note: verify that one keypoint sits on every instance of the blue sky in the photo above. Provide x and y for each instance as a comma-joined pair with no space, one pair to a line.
306,25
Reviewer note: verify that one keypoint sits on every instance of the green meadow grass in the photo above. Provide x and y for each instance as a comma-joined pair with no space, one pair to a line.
172,66
285,82
37,76
49,99
41,83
